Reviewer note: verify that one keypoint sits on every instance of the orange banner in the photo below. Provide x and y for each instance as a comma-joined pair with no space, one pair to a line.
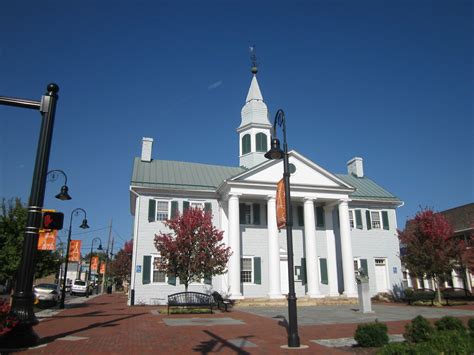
281,204
102,269
75,250
47,239
95,263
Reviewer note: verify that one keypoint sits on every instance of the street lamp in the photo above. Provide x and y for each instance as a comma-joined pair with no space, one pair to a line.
23,335
64,194
84,225
90,262
275,152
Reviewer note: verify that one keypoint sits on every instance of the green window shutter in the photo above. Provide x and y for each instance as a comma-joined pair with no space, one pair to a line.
208,280
300,212
303,271
246,145
363,266
174,209
261,139
257,269
208,207
323,266
146,269
385,220
358,219
319,216
256,214
369,222
172,280
151,210
242,213
185,206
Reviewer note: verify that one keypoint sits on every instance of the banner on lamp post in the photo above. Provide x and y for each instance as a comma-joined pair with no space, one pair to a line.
75,250
281,204
102,269
47,239
95,263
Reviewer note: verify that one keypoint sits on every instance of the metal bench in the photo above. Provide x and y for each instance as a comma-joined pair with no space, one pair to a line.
190,299
220,301
457,294
420,294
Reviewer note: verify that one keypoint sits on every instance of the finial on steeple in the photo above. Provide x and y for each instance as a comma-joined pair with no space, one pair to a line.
253,58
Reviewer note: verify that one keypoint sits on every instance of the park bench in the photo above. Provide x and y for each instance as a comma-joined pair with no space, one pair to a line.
220,301
456,294
420,294
190,299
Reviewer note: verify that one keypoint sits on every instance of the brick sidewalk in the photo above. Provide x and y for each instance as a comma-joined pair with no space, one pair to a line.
106,325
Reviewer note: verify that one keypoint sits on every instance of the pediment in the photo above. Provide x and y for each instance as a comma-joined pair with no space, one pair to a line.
307,173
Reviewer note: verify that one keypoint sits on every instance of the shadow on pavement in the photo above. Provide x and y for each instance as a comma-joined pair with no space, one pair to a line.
205,347
52,338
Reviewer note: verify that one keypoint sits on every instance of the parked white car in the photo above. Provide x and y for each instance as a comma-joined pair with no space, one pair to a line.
47,292
79,287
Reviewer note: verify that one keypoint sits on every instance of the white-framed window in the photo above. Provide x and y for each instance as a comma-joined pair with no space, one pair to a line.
249,213
158,276
351,218
162,210
376,219
357,266
246,270
196,204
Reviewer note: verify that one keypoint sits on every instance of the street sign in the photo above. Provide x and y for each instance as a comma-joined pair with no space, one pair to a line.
52,220
138,269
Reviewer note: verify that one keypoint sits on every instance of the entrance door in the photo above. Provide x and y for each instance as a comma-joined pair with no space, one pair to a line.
381,275
284,276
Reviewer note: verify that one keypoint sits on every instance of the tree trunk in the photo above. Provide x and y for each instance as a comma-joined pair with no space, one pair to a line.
186,287
438,291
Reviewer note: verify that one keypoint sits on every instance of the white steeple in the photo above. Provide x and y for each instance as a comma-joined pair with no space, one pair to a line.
254,130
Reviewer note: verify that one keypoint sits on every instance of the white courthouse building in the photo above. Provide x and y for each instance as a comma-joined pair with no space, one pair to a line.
341,222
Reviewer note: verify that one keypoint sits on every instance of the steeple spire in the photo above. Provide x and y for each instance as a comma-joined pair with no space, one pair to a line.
254,129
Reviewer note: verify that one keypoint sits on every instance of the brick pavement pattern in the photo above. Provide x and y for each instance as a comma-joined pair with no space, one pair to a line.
106,325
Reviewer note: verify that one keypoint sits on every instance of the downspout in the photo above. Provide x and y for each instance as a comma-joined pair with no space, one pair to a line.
135,248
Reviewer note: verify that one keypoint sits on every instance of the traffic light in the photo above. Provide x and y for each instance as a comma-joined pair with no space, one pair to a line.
52,220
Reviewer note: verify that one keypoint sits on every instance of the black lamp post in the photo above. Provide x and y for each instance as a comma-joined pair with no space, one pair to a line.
23,334
275,152
84,225
64,194
90,262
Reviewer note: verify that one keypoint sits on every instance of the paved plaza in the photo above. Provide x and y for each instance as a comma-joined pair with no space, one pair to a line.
106,325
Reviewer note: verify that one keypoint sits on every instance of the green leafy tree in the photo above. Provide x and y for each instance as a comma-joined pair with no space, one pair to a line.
194,250
121,265
13,216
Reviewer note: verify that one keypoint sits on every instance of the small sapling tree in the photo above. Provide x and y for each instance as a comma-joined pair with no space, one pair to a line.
194,250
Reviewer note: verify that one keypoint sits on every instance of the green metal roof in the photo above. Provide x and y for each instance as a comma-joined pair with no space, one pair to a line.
170,174
366,189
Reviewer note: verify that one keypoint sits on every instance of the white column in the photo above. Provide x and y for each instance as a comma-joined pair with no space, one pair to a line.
224,226
310,252
234,243
274,286
346,250
331,252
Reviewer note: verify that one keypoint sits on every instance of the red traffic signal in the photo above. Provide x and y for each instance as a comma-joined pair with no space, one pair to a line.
53,220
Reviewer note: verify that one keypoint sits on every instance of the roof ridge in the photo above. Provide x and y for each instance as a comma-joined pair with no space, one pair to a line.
193,163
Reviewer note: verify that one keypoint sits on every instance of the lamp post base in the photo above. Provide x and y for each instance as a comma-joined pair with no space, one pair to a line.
20,337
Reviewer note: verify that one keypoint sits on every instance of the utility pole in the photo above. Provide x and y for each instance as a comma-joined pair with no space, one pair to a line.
107,257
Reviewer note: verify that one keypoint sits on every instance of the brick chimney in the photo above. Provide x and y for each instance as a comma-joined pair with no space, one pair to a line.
147,144
355,167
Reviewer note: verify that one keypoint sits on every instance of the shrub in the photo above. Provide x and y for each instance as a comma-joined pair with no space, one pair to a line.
397,349
450,323
7,322
447,342
371,334
418,330
470,325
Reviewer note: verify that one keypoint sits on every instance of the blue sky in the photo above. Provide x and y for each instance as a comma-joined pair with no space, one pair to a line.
389,81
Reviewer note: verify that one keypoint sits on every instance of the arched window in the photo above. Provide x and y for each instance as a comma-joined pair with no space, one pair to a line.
246,147
261,142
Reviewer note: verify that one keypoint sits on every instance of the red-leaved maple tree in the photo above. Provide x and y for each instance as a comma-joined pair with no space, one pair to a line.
430,249
194,250
121,265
